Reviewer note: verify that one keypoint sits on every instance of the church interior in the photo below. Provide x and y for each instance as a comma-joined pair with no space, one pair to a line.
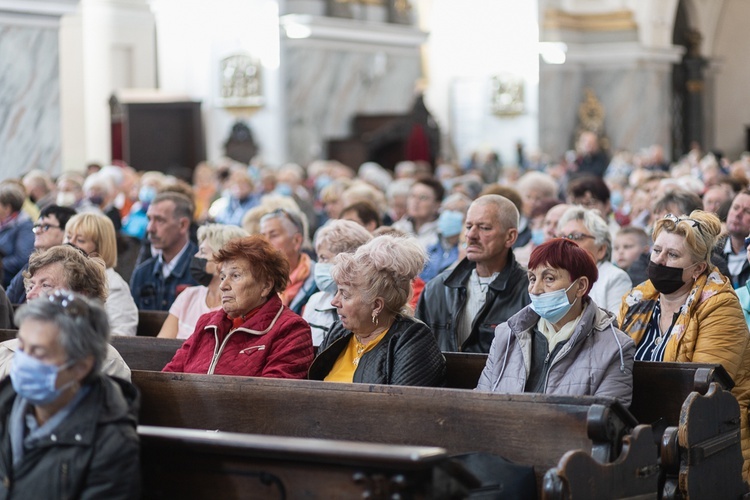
165,84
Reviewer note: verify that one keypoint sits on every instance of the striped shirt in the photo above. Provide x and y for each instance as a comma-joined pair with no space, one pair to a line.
653,343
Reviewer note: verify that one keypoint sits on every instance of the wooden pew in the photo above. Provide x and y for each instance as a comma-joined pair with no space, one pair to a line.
146,353
695,421
180,463
528,429
150,322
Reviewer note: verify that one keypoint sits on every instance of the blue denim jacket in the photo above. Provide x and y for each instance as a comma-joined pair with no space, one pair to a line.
151,291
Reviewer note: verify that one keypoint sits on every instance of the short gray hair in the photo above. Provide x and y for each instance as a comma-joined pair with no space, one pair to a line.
537,180
217,235
593,222
82,324
507,212
342,236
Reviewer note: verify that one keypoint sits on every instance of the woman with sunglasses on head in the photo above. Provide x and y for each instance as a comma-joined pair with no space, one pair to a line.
586,228
687,311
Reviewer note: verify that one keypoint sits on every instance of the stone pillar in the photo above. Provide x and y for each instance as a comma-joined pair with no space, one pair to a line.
30,85
107,45
339,68
633,82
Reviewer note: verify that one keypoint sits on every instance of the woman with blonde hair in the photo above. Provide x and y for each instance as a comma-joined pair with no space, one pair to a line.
687,311
195,301
376,340
94,233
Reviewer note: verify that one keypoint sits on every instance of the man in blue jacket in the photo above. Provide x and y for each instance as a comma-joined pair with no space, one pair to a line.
158,280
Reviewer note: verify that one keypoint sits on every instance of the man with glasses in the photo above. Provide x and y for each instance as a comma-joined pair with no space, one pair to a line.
157,281
286,232
464,305
586,228
49,231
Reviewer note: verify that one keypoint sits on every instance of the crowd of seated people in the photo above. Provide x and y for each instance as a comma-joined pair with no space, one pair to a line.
559,271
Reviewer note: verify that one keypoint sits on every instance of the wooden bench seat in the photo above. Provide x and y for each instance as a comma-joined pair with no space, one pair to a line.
182,463
528,429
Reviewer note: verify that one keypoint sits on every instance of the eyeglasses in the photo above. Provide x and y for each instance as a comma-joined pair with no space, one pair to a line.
43,228
292,218
691,222
72,306
576,236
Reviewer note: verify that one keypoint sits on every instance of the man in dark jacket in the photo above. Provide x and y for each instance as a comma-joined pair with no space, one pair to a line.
157,281
66,430
464,305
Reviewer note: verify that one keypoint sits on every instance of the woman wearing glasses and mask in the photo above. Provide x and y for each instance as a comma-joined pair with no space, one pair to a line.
687,311
562,343
66,429
591,232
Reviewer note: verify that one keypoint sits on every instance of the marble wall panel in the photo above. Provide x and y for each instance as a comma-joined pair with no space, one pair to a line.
636,99
29,100
326,87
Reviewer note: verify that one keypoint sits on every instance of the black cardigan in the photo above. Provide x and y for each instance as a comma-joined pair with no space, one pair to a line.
407,355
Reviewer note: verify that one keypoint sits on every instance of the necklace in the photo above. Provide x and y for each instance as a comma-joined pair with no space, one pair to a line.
360,351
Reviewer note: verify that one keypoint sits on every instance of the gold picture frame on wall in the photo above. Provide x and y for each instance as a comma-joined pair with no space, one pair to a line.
507,95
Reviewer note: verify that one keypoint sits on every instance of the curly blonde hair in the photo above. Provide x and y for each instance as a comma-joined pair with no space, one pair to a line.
383,267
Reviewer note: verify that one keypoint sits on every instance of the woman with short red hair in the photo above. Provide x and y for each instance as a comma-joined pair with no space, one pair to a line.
562,343
253,334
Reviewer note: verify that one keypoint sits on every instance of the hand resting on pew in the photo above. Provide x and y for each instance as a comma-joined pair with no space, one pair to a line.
562,343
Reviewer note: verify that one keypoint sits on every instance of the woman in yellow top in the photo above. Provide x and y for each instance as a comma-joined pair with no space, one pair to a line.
376,340
687,311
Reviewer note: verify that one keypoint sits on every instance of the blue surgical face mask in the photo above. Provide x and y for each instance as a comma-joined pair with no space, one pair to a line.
616,199
35,380
283,189
323,278
537,237
450,223
552,306
147,194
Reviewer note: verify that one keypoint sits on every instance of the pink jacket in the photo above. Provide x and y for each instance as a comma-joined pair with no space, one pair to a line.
275,342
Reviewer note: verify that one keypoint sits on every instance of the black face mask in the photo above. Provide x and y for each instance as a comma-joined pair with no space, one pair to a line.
198,271
665,279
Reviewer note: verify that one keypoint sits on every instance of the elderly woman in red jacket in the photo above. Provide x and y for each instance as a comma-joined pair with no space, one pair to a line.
253,334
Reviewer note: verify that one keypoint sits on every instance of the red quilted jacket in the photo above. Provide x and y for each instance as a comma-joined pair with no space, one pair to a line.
274,342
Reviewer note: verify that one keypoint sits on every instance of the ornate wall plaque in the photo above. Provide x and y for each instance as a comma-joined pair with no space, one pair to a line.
241,82
507,95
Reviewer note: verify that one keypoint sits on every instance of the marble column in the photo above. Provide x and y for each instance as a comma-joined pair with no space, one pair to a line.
340,68
106,46
633,82
30,86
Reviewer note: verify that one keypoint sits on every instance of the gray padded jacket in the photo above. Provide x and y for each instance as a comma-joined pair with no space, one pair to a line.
597,360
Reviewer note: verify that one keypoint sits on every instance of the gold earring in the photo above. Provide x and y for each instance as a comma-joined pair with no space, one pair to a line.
375,318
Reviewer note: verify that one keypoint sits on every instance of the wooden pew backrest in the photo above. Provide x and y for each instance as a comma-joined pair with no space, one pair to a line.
146,353
529,429
180,463
150,322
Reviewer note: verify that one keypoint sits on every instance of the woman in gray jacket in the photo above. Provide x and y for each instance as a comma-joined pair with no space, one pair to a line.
562,343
